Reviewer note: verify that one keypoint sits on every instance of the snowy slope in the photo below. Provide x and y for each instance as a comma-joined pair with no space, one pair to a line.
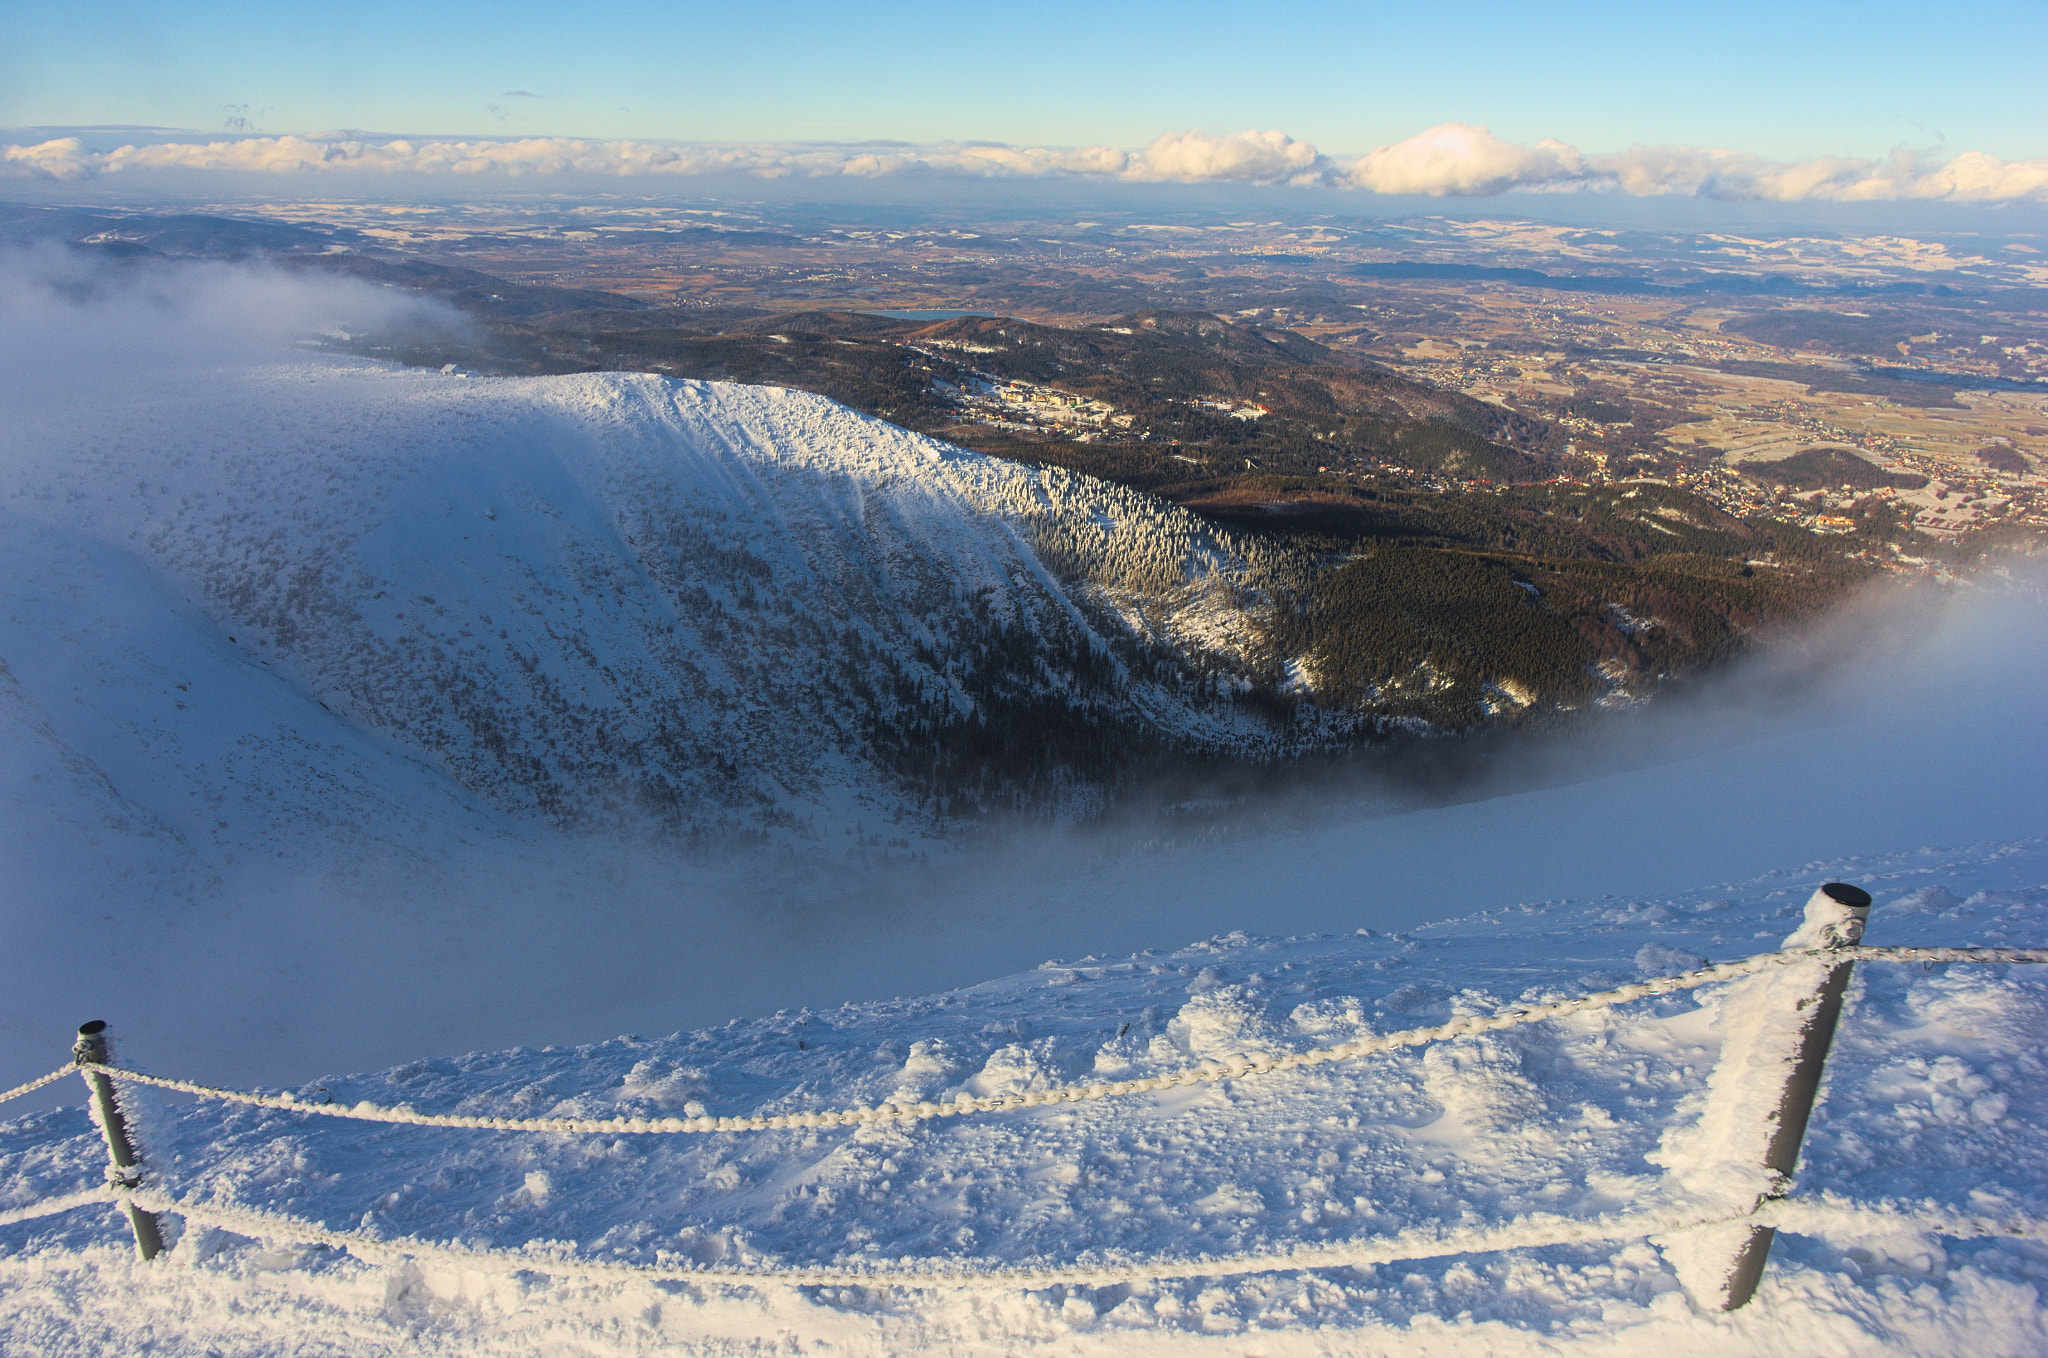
298,650
301,650
613,601
1933,1093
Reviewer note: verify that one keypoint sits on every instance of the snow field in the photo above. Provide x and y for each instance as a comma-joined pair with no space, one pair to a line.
1782,997
1932,1091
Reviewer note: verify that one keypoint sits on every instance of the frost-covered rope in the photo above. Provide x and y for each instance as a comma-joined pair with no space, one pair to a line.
1800,1216
1529,1232
1424,1243
49,1207
1820,1216
1930,954
1209,1072
33,1085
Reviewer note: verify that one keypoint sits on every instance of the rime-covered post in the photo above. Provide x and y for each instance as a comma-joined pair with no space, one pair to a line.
124,1167
1780,1028
1835,916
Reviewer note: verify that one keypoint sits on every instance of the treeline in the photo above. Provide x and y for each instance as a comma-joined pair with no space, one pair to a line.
1829,468
1458,638
1631,521
1445,637
1321,409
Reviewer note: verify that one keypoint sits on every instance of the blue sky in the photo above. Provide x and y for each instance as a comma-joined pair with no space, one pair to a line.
1774,80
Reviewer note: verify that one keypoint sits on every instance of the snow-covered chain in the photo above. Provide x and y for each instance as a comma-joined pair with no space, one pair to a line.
33,1085
1529,1232
49,1207
1209,1072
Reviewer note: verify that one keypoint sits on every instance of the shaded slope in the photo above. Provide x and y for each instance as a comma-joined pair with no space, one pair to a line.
663,608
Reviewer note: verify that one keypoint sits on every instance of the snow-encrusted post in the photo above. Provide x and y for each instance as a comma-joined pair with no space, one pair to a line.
124,1167
1779,1028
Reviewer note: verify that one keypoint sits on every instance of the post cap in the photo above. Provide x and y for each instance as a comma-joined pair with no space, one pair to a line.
1834,918
1841,893
93,1029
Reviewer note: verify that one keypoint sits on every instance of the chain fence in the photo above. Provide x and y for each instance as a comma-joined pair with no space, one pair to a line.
1209,1072
1421,1243
1535,1231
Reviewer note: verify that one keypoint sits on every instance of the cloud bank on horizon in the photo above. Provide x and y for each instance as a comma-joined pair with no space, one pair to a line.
1451,159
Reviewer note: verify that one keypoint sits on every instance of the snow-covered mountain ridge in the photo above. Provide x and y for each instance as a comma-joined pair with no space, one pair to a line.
615,601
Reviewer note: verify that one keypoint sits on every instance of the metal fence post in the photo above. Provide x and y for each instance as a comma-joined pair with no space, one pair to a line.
1835,916
124,1167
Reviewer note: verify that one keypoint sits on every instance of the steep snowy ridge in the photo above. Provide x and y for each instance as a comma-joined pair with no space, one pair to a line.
619,601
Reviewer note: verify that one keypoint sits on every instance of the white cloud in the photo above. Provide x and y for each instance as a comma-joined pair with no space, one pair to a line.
1650,170
67,158
1972,177
1460,158
1258,157
1463,159
1452,159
